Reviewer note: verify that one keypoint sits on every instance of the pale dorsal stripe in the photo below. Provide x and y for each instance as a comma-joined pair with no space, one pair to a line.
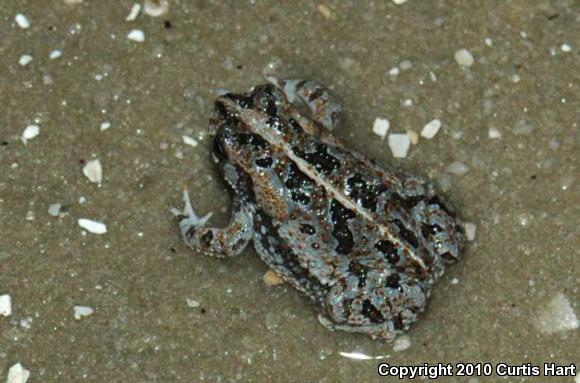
257,123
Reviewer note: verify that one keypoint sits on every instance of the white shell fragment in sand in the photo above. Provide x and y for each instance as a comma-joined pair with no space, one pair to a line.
82,311
189,141
105,125
470,231
5,305
399,144
431,128
493,133
399,2
156,8
91,226
25,60
457,168
54,209
402,343
93,171
464,58
557,316
22,21
192,303
134,12
381,127
413,136
29,133
272,278
55,54
17,374
136,35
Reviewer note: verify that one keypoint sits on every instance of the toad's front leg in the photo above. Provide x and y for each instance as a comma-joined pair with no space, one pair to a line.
216,242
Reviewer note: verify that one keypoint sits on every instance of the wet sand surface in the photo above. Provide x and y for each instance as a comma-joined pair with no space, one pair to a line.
506,155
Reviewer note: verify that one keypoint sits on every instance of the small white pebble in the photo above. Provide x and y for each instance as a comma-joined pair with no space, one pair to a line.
82,200
557,316
413,136
488,41
46,79
93,171
470,231
523,128
192,303
92,226
136,35
433,76
26,323
394,71
82,311
25,60
493,133
54,209
134,12
406,65
464,58
566,48
381,127
457,168
178,154
55,54
156,8
408,102
399,144
189,141
5,305
431,128
399,2
402,343
17,374
22,21
29,133
454,281
105,125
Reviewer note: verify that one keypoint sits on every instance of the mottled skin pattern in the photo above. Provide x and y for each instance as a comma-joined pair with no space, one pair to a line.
364,242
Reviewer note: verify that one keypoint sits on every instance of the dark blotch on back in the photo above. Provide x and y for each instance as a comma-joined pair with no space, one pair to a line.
254,140
307,229
360,271
340,216
364,193
406,234
371,312
297,182
265,162
430,230
389,250
408,202
392,281
295,126
320,158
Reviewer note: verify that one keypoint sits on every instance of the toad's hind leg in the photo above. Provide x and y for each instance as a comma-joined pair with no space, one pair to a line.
323,106
382,309
216,242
